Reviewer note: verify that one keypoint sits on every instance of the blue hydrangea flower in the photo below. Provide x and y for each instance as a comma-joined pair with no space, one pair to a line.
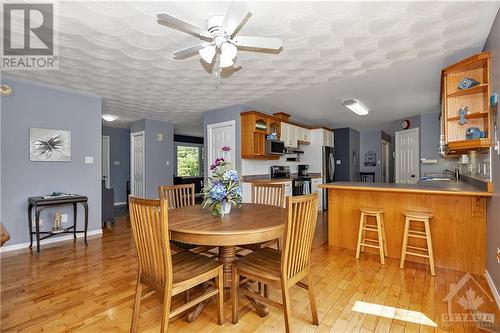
218,192
231,175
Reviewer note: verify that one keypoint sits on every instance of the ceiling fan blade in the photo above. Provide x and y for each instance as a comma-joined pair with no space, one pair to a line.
236,14
258,42
190,51
172,21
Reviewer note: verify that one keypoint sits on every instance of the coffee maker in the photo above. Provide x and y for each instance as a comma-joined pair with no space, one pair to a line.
303,170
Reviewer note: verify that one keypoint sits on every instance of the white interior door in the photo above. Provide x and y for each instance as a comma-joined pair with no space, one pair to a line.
407,156
106,175
219,135
137,174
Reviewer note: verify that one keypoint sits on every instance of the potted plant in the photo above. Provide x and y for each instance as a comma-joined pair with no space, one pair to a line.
223,189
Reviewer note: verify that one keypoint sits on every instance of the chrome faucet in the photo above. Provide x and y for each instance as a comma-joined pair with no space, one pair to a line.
453,173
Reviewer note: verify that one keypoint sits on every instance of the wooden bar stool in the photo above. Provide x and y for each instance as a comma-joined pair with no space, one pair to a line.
379,243
426,234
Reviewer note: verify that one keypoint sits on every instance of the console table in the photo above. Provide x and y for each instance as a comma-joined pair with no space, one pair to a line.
40,203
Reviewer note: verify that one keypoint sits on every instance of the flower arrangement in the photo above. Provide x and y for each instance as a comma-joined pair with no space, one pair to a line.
223,189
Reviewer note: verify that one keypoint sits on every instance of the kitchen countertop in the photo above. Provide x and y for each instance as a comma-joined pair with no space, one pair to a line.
268,180
430,187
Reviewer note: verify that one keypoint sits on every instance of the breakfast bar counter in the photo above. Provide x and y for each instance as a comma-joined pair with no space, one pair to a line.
458,225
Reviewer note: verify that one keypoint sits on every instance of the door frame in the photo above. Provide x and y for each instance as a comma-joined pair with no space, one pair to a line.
132,156
386,158
396,150
106,140
208,153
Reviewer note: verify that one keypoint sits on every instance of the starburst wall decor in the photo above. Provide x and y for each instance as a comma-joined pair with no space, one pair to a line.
50,145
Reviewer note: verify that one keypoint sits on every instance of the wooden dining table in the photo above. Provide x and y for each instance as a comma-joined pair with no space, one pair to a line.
248,224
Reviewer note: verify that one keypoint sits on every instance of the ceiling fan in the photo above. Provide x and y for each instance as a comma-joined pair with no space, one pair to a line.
219,36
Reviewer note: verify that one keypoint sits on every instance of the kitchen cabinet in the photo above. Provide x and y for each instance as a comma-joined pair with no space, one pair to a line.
255,127
315,182
476,99
289,135
328,138
292,135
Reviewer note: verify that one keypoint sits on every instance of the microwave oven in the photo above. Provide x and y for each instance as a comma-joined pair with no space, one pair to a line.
274,147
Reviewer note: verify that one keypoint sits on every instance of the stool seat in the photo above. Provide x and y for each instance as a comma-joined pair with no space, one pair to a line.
378,228
418,251
372,210
418,215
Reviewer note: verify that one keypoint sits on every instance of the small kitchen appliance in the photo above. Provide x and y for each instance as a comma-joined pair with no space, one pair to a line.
280,171
303,170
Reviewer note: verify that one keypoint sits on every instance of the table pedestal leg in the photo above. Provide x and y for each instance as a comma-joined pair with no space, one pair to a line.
227,254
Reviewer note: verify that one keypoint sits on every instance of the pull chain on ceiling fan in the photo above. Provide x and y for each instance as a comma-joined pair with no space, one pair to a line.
219,36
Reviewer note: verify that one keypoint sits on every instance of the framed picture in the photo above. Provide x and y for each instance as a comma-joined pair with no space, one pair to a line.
50,145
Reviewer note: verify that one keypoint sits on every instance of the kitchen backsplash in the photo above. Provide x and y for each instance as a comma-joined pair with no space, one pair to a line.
478,165
262,167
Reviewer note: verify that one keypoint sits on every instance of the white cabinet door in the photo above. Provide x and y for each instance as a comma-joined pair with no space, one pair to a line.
306,136
328,138
246,188
293,136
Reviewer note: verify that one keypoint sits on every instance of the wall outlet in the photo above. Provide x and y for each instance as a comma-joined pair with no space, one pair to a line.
168,163
116,162
89,159
64,218
339,162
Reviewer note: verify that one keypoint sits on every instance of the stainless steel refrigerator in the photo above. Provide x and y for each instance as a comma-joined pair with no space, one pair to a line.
328,171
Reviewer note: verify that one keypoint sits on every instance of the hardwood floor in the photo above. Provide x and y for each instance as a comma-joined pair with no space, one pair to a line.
71,288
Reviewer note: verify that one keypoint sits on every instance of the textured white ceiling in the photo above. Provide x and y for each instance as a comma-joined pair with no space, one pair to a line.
117,50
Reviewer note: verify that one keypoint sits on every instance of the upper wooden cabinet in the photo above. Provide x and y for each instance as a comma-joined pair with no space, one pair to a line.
255,127
476,99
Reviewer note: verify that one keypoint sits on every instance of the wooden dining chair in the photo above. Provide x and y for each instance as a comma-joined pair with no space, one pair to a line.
267,194
167,274
179,196
282,269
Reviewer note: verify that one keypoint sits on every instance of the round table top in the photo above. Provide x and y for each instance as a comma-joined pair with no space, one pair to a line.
248,224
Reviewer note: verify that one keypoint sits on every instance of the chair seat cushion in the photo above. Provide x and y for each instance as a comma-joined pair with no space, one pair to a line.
188,266
265,263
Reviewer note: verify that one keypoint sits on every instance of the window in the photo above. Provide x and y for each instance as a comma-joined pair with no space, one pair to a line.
189,160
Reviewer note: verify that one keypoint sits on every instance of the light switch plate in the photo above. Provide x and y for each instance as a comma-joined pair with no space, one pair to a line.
116,162
89,159
168,163
338,162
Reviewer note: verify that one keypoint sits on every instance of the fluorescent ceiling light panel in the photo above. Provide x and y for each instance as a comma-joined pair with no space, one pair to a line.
356,106
109,117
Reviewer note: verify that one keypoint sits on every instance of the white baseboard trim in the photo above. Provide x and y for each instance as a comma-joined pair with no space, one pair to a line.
54,239
493,288
120,203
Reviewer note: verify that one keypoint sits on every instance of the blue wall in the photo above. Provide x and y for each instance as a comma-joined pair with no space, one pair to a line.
33,105
157,154
119,152
226,114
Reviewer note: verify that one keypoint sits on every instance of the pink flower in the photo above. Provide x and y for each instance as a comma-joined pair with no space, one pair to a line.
226,149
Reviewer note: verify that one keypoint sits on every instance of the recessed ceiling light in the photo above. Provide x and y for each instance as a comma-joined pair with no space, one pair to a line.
356,106
109,117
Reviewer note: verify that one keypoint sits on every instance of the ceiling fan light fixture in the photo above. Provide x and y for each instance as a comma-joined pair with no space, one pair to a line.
356,106
109,117
207,53
225,61
229,50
